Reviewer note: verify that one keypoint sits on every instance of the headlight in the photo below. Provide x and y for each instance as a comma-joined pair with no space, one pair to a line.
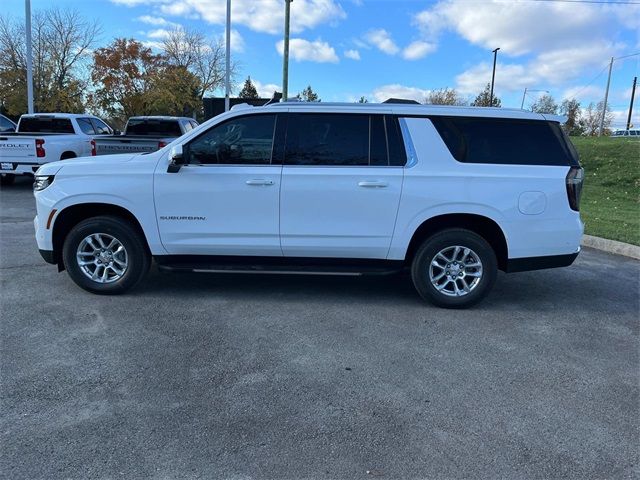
41,182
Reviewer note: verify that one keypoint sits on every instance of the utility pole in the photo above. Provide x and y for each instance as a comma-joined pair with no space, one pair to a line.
227,73
27,14
606,97
493,75
633,94
285,53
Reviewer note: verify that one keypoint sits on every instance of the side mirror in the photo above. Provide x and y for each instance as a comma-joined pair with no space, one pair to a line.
117,132
177,159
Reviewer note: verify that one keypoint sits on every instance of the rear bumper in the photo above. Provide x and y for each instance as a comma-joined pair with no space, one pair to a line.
539,263
21,168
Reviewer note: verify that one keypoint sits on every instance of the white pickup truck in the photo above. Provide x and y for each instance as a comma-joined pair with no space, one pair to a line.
145,134
48,137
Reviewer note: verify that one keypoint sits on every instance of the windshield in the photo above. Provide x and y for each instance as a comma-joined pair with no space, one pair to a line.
45,125
152,127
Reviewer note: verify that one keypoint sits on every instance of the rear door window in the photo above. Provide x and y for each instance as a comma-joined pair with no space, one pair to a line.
45,125
100,127
504,141
86,126
153,127
339,139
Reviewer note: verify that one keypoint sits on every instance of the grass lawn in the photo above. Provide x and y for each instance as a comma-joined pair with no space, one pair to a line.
610,204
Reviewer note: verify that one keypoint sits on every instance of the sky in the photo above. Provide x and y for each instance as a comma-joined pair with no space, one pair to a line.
378,49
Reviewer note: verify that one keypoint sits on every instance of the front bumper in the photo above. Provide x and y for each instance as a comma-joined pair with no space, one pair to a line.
48,256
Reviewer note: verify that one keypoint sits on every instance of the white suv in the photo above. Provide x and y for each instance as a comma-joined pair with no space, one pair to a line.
454,194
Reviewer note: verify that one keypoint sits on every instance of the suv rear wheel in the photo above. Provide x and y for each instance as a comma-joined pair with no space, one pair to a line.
455,268
105,255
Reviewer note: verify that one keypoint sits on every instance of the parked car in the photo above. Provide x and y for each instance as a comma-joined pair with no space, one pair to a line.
631,133
145,134
47,137
452,193
6,125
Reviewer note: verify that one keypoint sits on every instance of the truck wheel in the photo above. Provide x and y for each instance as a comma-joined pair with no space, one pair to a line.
105,255
455,268
7,179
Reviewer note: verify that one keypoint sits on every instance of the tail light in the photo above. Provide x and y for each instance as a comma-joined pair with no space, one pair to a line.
161,144
575,179
40,148
93,148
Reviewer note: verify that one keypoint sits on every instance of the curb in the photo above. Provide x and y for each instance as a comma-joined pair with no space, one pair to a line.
611,246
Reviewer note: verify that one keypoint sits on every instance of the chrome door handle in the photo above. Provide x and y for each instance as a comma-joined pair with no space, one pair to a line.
372,184
259,182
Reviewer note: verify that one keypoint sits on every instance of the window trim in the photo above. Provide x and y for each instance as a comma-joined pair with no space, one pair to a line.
185,146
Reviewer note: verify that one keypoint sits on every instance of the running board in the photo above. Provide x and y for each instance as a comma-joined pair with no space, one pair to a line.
280,266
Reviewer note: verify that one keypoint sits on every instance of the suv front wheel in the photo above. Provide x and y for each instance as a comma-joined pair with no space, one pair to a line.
105,255
455,268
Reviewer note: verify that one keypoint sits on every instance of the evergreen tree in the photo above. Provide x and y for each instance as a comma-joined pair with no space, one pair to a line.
248,90
570,108
308,95
484,99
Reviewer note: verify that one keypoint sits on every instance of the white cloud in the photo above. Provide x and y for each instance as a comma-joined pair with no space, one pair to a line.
304,50
352,54
385,92
155,21
417,50
237,42
583,91
159,33
259,15
265,90
382,40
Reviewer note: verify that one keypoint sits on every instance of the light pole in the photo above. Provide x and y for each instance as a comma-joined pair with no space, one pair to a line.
27,14
525,94
493,75
227,73
285,53
606,92
633,94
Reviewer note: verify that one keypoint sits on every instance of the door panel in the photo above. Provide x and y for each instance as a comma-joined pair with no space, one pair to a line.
234,210
343,212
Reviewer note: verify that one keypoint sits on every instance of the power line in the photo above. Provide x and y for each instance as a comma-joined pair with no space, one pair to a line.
575,95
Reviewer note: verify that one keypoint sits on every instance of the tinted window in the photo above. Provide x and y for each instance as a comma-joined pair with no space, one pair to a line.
100,127
397,153
86,126
153,127
45,125
378,154
6,125
327,139
504,141
245,140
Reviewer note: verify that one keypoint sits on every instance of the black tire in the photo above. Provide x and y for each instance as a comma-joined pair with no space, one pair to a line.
7,179
137,254
67,155
450,238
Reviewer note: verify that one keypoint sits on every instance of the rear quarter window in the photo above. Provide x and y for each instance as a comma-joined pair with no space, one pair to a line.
505,141
45,125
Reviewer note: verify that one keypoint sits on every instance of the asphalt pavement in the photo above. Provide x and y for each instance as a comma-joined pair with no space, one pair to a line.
248,376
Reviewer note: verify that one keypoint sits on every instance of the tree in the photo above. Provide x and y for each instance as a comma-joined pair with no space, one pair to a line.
248,90
174,91
62,41
308,95
124,73
570,108
591,118
445,96
545,104
363,99
202,57
484,99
